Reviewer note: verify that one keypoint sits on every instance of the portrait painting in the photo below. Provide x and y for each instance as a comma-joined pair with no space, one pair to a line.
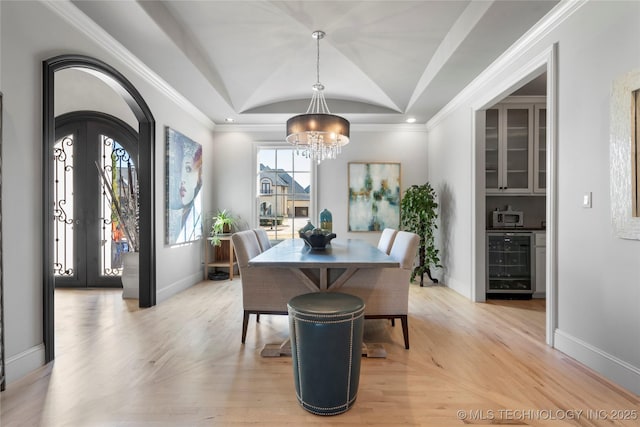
374,196
183,189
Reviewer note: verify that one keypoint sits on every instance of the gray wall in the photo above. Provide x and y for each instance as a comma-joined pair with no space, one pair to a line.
598,274
31,33
235,169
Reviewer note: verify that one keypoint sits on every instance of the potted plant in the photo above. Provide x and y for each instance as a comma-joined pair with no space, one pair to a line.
222,224
418,211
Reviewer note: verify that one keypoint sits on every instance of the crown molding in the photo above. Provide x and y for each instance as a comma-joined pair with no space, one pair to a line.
551,21
70,13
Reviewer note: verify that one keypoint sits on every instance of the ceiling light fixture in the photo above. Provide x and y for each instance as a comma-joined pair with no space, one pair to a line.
411,120
318,134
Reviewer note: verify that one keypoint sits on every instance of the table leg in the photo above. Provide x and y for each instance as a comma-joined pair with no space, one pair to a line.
230,260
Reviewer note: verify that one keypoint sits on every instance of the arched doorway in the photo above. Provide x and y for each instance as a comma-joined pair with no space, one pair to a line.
145,165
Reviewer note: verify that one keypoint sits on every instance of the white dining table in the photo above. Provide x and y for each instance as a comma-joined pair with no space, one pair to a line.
324,269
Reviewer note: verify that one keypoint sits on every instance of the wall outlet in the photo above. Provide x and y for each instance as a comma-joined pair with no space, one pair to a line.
586,200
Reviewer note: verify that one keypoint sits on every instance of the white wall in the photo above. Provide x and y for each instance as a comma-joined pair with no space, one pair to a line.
235,169
77,90
30,34
598,274
450,175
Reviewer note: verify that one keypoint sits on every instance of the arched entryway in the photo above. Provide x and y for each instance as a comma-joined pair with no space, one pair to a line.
145,165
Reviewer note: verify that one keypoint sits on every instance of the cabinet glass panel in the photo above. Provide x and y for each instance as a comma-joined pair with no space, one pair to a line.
517,148
541,173
491,148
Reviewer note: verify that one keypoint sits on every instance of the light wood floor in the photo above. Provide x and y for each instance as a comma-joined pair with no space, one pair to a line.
181,364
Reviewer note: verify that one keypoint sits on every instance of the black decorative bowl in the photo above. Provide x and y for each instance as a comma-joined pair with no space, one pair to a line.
315,240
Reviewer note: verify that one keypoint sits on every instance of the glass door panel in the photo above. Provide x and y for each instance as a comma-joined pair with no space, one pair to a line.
517,127
63,211
541,150
492,147
121,172
509,263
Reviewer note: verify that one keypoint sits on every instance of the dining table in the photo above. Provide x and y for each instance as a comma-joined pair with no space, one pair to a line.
324,269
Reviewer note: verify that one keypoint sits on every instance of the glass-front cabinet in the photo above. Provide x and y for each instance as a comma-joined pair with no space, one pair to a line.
492,147
540,147
517,138
515,148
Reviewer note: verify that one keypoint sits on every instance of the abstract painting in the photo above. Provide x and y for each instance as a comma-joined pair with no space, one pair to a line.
374,196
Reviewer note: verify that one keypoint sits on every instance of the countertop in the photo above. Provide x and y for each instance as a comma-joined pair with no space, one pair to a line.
516,229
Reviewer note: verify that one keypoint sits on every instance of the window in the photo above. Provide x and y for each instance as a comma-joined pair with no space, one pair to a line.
265,186
284,200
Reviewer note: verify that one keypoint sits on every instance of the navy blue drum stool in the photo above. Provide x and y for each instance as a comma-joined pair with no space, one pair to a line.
326,348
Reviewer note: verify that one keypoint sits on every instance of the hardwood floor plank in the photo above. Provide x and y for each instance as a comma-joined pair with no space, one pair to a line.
181,363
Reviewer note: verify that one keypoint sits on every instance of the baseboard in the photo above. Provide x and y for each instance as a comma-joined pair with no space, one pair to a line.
462,288
616,370
23,363
540,295
179,286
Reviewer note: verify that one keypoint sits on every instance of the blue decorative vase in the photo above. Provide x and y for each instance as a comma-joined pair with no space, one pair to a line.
326,221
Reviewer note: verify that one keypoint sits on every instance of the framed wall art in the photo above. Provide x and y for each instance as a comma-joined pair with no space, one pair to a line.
183,189
374,196
624,161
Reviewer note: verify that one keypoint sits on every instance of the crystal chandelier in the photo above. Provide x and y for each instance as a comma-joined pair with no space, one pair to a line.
318,134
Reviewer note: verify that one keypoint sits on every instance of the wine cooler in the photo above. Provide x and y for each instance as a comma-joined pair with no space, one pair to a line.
510,260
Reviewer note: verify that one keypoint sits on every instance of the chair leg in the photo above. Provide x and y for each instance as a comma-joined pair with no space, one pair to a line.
245,322
405,330
393,321
257,317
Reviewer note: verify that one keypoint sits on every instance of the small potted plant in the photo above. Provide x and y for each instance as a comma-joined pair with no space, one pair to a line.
222,224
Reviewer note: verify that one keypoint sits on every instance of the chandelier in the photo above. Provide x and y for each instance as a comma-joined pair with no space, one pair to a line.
318,134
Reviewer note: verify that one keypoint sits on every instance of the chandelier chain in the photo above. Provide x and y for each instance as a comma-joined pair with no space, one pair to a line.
318,134
318,60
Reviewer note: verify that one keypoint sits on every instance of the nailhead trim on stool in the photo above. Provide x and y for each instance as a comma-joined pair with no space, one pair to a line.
326,346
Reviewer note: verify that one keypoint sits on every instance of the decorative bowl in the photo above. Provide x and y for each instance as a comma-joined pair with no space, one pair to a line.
317,239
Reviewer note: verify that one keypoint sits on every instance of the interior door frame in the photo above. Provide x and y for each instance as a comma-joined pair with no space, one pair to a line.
547,61
146,173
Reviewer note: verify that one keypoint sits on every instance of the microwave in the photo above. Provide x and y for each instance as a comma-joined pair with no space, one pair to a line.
507,218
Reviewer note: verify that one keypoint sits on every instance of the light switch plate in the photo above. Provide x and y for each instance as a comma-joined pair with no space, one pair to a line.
586,200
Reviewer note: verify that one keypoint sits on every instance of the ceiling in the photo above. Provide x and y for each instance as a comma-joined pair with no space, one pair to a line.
255,61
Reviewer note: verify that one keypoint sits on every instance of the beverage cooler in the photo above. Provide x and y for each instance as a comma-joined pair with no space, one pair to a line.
510,261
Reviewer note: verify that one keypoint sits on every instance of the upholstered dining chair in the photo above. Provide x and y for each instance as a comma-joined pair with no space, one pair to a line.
386,290
386,240
404,248
263,238
265,290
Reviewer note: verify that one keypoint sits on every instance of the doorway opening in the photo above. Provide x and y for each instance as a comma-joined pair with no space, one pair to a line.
145,144
515,149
